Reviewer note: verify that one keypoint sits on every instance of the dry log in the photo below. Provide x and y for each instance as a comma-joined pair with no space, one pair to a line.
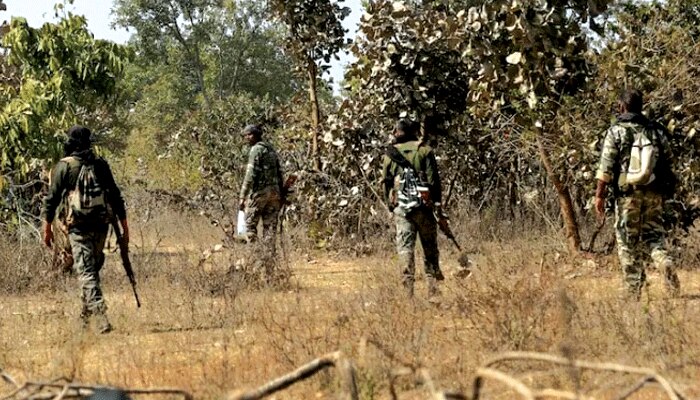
336,359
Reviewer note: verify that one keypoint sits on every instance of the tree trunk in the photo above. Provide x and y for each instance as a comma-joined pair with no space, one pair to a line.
312,70
566,206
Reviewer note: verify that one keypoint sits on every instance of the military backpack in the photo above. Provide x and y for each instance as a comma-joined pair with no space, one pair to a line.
86,202
410,188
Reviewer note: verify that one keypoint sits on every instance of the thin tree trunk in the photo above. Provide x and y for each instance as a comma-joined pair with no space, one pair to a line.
315,113
566,206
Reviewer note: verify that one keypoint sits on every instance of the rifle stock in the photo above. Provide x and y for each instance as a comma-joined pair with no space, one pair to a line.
126,262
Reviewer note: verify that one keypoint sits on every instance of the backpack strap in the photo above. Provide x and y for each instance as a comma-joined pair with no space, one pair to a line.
395,155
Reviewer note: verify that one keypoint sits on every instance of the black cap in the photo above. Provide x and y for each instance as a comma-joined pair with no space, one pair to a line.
79,133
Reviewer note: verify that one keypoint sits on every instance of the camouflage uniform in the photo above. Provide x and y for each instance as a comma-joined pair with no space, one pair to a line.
87,238
262,191
419,221
638,209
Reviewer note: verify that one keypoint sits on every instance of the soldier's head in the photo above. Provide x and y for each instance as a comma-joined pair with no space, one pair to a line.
252,134
405,131
630,101
79,139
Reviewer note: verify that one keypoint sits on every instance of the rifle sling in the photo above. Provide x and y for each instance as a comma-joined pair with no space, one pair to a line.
395,155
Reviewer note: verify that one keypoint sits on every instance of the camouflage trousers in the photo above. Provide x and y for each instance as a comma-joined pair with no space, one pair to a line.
263,207
419,222
88,256
639,229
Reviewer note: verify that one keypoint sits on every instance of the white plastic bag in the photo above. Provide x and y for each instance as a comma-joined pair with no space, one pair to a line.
240,224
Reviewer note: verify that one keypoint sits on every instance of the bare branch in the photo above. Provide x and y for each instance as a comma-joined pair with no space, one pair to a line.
671,392
507,380
637,387
559,394
335,359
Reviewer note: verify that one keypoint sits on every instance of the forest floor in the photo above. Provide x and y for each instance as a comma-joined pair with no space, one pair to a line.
200,332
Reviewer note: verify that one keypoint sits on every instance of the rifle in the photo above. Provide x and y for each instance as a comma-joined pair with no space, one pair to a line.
124,252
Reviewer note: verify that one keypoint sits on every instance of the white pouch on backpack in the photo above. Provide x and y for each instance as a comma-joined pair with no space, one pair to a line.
240,224
643,157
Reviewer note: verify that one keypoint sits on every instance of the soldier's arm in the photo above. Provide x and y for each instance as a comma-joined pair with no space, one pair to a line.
433,178
387,179
114,194
604,175
280,175
250,173
55,194
115,199
608,157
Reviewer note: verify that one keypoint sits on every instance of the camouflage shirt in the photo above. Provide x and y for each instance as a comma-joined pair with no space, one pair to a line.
263,171
64,177
424,162
617,146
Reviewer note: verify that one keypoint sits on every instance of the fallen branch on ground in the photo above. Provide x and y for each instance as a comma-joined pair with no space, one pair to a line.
650,375
57,390
345,370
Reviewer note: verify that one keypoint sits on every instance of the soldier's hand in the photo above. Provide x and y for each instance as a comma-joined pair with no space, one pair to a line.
48,234
125,231
600,208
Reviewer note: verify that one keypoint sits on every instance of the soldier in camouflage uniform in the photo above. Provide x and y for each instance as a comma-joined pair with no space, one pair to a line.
87,237
638,208
420,221
261,195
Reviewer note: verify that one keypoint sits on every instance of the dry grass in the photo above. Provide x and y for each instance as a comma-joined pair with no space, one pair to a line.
199,331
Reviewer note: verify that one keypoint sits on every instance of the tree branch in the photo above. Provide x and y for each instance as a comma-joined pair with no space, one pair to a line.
336,359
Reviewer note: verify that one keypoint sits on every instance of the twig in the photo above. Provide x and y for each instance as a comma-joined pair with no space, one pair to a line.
559,394
393,376
185,395
70,390
637,387
335,359
8,379
63,393
390,354
507,380
428,381
454,396
671,392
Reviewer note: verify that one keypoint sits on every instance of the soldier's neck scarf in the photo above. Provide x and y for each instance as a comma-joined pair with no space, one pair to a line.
634,118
